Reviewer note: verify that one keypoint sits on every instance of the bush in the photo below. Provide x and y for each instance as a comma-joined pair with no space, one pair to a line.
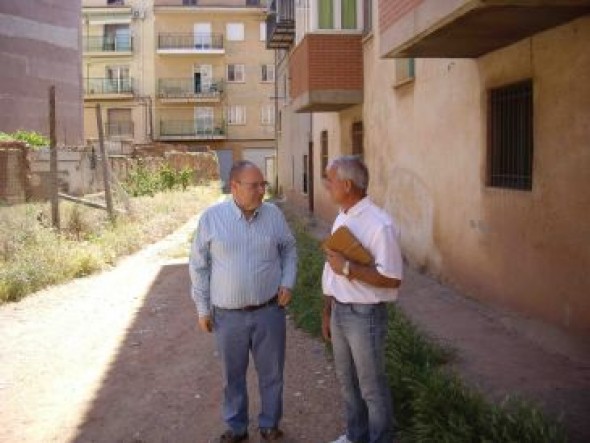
431,403
32,138
143,181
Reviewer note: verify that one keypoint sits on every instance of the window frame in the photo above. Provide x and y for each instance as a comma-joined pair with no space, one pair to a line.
235,71
232,115
242,33
264,71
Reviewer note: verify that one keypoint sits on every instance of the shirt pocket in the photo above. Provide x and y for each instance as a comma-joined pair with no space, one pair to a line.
266,247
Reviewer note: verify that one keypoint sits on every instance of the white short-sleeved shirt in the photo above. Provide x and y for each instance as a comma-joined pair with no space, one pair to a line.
378,233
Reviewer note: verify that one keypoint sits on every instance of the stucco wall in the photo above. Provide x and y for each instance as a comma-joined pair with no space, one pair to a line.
425,146
40,47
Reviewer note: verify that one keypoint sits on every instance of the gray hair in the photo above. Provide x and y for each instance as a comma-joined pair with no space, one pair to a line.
351,167
238,167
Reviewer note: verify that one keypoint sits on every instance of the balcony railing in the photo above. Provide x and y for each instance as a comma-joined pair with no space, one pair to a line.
280,24
192,42
108,44
119,129
192,129
186,88
98,86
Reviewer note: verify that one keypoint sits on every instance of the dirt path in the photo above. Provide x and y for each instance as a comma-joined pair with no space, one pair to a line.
116,358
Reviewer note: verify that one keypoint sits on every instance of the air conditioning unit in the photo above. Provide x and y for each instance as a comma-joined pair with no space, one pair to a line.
138,14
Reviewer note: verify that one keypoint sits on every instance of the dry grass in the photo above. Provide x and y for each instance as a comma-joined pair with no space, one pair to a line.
33,256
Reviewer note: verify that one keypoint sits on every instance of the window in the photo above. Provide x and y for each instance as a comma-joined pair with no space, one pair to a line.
117,38
235,31
267,115
263,31
117,80
405,71
510,135
189,2
119,123
268,73
367,16
236,73
115,2
326,14
324,152
305,174
357,139
337,14
236,115
348,14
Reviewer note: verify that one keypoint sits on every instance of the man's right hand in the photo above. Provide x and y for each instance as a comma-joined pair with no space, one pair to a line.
326,333
206,324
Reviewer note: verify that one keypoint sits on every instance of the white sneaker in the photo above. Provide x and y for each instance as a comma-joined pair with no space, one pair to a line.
342,439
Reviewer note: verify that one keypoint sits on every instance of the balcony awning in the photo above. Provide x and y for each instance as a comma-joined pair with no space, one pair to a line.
472,28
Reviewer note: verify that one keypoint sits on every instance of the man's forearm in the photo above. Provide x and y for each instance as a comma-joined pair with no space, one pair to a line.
327,304
370,275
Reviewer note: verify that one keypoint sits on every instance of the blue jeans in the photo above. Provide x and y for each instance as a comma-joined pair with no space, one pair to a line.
358,341
262,332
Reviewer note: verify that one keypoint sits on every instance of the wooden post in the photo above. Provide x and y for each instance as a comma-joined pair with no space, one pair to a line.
105,166
54,181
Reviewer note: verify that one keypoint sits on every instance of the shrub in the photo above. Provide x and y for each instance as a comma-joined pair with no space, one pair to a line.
32,138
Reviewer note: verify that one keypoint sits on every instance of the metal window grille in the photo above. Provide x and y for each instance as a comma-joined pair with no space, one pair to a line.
510,145
357,139
324,152
305,174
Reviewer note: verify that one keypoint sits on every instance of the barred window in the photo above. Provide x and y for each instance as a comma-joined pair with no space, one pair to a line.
510,136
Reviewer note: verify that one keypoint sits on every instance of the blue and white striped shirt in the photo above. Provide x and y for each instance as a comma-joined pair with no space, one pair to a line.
235,262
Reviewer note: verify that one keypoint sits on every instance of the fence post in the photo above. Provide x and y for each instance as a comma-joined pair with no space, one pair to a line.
105,166
53,162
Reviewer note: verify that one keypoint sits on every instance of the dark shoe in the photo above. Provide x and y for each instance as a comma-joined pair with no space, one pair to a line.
229,437
271,434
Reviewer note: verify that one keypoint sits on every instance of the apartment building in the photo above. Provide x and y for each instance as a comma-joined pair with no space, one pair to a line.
472,117
40,47
196,73
118,69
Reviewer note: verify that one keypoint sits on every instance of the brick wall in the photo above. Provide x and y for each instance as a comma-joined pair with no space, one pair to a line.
390,11
326,62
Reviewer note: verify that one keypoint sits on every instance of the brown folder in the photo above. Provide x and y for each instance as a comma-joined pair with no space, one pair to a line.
344,242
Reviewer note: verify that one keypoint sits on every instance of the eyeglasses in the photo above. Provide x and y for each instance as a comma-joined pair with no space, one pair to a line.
255,185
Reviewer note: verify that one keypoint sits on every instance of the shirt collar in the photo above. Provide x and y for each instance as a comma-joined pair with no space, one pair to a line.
359,207
238,212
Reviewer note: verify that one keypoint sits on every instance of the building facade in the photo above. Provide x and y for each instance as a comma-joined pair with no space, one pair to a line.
40,48
474,126
195,73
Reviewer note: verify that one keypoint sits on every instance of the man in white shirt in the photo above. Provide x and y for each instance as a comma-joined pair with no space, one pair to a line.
355,309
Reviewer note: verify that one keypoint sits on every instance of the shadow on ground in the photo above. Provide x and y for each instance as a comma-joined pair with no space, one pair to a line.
164,382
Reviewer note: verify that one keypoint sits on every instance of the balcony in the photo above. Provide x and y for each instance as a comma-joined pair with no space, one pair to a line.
326,72
169,4
280,24
190,44
108,88
187,90
108,46
467,28
119,130
192,130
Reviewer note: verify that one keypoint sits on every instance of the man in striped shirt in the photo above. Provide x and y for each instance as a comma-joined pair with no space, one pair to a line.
243,266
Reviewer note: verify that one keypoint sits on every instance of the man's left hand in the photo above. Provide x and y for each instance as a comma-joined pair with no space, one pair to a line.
284,296
336,260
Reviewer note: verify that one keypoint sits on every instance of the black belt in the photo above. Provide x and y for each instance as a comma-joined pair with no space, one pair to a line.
251,308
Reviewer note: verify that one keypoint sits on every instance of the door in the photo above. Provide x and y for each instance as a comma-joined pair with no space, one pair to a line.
117,80
202,35
310,180
203,78
225,159
204,120
269,170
